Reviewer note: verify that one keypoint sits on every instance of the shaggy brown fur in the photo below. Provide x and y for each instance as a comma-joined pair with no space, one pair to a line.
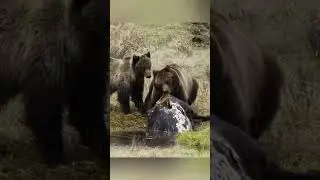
246,81
54,53
174,80
127,78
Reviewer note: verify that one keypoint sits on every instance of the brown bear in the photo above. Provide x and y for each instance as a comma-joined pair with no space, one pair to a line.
313,32
127,78
246,81
175,80
54,53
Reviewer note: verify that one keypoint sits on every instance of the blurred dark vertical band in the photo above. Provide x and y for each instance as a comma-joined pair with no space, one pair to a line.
213,55
164,11
106,22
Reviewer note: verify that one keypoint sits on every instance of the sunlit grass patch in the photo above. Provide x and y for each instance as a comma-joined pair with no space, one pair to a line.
199,139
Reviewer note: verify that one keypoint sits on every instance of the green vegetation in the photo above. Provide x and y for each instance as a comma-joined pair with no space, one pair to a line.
199,139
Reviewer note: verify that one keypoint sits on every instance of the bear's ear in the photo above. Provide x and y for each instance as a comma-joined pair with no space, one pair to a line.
135,59
154,72
148,54
167,68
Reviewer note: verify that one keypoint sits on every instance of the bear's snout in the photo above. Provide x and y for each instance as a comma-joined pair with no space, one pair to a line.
147,74
166,88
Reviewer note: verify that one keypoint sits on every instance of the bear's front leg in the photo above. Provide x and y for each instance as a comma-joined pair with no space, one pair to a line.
124,100
87,110
137,100
136,96
44,117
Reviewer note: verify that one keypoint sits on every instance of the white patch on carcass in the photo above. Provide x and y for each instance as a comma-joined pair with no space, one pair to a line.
183,123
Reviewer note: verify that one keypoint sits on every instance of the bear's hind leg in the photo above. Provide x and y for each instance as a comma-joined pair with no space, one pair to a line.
270,97
44,117
137,96
194,92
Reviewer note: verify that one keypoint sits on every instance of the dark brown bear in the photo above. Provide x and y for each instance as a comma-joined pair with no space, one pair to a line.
54,53
246,81
127,78
174,80
313,32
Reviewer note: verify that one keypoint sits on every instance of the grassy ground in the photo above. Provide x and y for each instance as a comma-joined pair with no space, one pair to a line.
184,44
280,26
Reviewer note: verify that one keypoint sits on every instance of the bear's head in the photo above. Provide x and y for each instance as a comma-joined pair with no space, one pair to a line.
142,65
165,80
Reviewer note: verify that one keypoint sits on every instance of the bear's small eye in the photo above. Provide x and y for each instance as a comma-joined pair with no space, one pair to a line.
168,81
